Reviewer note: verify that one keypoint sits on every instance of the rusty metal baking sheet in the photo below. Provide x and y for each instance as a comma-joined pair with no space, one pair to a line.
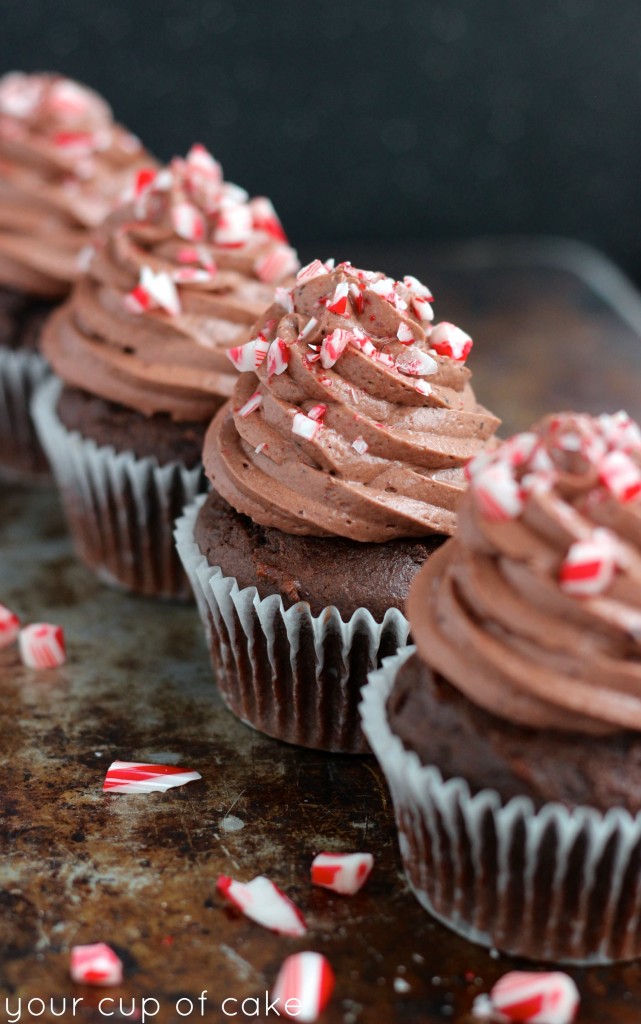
554,327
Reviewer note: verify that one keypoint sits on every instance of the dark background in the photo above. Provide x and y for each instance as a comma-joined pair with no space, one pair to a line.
423,119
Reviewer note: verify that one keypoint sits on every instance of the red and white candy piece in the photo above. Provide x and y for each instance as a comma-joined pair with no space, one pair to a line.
95,965
405,334
333,346
620,431
589,566
69,99
304,986
9,626
342,872
422,298
317,411
42,645
199,159
284,298
621,475
263,902
249,356
449,340
20,94
496,492
265,218
143,179
308,328
415,363
251,405
312,270
360,445
188,222
338,302
156,290
358,299
530,998
277,357
138,777
277,264
234,227
304,426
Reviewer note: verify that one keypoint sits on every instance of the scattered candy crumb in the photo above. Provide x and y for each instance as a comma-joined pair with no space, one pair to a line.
42,645
96,964
263,902
304,986
138,777
530,998
344,873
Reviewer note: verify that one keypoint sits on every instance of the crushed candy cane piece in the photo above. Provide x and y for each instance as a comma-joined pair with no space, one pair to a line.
277,264
620,475
42,645
312,270
251,405
138,777
304,986
338,303
423,387
421,298
531,998
496,492
277,357
358,298
143,179
96,964
304,426
589,566
308,328
449,340
284,298
200,159
264,903
234,226
405,334
333,346
188,222
249,356
265,218
317,411
415,363
9,626
360,445
153,291
342,872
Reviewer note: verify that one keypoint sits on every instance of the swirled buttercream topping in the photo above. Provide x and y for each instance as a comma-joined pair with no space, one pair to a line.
534,609
353,416
174,278
63,166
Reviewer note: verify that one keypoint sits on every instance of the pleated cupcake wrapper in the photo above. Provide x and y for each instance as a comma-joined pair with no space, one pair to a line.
120,509
21,372
550,884
290,674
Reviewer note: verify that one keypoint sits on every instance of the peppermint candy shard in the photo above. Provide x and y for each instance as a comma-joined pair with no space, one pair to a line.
42,645
360,445
308,328
304,986
345,873
96,964
496,492
589,567
531,998
138,777
250,355
155,290
620,475
284,298
188,222
449,340
338,303
405,334
251,405
312,270
9,626
304,426
415,363
143,179
263,902
265,218
277,264
333,346
317,411
234,227
277,357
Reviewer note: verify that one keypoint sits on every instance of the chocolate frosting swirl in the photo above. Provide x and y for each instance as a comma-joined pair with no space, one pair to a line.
176,277
349,422
533,610
64,163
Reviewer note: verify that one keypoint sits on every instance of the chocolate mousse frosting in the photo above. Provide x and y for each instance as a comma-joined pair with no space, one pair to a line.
533,610
63,165
353,416
176,276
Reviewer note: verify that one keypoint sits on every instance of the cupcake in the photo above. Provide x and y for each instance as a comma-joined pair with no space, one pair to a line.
175,278
511,735
63,165
337,468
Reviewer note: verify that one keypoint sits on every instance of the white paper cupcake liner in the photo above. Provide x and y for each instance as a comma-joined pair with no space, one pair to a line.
551,884
120,509
290,674
21,372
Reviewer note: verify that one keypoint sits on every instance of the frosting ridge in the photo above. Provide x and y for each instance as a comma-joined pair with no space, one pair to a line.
346,419
533,610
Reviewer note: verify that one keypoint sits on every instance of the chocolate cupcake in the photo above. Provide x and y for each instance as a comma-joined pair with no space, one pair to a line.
63,165
511,736
337,468
175,278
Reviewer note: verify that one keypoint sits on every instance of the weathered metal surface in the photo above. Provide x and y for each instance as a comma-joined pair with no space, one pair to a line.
139,872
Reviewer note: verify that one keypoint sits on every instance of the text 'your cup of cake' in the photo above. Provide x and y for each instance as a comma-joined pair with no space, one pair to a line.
511,736
64,163
337,468
175,277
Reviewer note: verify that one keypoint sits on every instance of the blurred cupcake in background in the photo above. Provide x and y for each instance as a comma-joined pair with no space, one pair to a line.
337,469
511,736
175,278
64,163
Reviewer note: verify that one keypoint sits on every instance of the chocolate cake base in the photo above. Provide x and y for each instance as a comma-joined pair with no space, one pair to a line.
444,728
21,371
292,660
